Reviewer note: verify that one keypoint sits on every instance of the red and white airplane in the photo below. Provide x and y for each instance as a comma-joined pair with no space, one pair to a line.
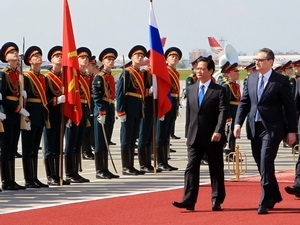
217,49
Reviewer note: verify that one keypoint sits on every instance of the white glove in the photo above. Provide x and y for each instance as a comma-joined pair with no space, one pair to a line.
69,123
150,90
162,118
61,99
2,116
0,96
123,118
24,94
24,112
101,119
28,125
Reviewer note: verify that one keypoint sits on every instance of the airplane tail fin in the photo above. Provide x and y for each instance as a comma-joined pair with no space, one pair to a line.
214,45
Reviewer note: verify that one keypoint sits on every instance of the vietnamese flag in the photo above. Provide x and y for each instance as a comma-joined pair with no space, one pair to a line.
161,78
72,106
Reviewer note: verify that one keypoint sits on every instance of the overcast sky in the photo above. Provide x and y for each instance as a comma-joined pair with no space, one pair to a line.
247,25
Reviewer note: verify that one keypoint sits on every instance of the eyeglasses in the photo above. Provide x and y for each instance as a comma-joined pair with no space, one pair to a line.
260,60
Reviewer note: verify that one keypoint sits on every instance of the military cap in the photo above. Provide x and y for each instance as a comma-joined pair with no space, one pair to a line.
250,66
225,66
108,52
137,49
278,69
8,46
287,65
93,59
54,51
30,52
196,60
173,51
83,51
231,68
296,63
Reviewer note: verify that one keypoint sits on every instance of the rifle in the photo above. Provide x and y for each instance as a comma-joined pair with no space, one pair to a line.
22,101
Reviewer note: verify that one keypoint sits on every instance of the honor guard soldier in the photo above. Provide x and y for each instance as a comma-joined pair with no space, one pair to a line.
249,69
278,69
74,133
287,70
9,97
104,91
146,125
222,78
88,136
163,132
233,95
35,85
130,105
52,134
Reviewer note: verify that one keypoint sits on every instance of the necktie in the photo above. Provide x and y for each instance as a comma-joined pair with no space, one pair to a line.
259,94
201,95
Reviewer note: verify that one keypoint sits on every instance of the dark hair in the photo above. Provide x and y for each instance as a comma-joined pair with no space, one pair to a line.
209,61
269,52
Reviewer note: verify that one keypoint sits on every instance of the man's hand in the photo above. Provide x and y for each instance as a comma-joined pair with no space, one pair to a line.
101,119
123,118
23,94
291,139
237,131
2,116
216,137
24,112
61,99
162,118
69,123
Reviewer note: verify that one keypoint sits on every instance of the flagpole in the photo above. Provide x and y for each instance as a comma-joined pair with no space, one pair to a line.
154,149
62,129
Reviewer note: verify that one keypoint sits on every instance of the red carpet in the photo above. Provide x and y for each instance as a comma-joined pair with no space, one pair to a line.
240,207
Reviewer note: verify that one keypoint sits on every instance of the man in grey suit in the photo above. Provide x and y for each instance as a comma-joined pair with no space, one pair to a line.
206,113
268,100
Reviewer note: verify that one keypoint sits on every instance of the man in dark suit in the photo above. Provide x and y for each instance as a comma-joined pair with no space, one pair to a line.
204,130
268,100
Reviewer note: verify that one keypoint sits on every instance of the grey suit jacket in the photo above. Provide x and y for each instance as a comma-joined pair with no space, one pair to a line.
276,106
209,118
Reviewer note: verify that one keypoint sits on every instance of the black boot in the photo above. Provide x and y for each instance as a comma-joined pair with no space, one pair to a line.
8,182
105,164
76,166
34,162
101,172
131,162
6,177
166,150
27,169
127,170
145,159
52,180
70,167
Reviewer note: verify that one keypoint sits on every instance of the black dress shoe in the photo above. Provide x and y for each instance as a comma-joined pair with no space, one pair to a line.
39,183
147,169
88,155
262,210
9,186
175,137
216,206
111,143
184,204
103,175
31,184
18,155
112,175
293,191
172,150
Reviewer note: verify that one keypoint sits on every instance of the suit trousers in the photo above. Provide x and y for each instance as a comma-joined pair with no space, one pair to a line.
264,151
214,152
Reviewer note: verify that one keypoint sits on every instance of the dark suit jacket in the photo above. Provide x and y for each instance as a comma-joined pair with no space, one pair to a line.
276,106
209,118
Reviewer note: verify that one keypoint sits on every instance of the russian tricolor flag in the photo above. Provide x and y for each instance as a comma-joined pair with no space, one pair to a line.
161,78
